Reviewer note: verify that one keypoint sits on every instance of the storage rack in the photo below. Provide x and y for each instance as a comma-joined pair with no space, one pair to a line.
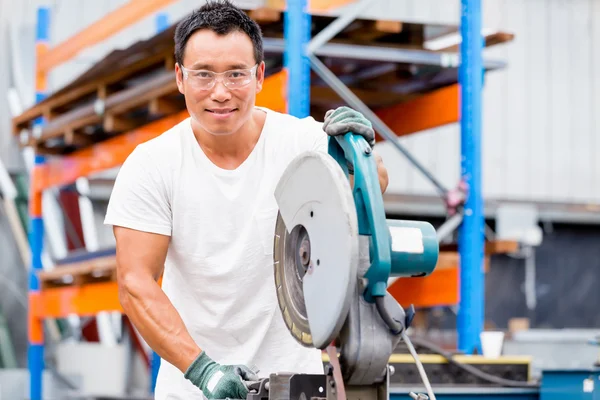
78,300
300,58
300,50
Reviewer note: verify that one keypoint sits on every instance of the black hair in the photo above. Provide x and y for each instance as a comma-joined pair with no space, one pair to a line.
222,17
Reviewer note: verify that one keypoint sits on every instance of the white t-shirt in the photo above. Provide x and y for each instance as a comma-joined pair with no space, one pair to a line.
219,266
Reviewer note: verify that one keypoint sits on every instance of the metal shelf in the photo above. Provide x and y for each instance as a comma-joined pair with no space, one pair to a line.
442,70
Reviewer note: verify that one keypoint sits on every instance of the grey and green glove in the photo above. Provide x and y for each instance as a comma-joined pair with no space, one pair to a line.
344,119
219,381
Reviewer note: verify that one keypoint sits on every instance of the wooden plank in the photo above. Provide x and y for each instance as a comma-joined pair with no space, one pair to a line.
388,26
89,271
314,6
100,30
501,247
162,106
115,105
431,110
82,267
77,139
491,39
24,120
491,247
113,123
447,260
142,93
265,14
113,152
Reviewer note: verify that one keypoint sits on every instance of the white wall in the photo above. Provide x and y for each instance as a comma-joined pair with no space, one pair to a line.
541,129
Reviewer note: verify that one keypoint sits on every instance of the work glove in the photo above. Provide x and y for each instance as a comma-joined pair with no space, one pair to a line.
344,119
219,381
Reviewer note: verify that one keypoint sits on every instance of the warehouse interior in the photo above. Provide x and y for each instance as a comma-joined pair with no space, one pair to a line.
485,118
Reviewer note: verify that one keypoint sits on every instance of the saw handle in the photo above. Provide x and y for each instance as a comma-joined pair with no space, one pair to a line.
354,151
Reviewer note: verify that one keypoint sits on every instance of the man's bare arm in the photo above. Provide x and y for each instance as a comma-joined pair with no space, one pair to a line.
382,173
140,262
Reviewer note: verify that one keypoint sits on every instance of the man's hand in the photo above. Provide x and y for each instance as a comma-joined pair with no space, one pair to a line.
219,381
344,119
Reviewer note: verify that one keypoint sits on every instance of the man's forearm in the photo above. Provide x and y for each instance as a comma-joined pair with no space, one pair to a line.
157,320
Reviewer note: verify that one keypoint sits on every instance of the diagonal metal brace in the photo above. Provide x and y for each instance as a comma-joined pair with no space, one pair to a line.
347,95
336,26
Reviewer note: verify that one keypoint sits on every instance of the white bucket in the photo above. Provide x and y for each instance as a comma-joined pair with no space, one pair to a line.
491,343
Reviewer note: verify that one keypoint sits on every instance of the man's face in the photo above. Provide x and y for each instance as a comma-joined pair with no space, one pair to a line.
219,110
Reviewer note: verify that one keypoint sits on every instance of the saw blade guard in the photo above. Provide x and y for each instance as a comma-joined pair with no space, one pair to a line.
316,248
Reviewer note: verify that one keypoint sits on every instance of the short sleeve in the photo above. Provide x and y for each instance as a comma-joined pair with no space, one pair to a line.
140,197
318,139
321,142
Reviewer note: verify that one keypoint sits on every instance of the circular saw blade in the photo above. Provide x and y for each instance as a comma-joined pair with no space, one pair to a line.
316,248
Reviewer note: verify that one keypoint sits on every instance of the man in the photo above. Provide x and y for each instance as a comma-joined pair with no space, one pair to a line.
196,205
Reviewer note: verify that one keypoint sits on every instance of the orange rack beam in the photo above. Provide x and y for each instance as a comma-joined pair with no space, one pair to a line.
431,110
441,288
105,27
84,300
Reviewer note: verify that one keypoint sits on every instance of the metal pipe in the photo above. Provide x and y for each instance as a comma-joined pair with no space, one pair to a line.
384,54
336,26
471,238
346,94
35,353
297,34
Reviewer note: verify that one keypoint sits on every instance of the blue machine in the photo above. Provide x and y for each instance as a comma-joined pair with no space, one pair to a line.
554,385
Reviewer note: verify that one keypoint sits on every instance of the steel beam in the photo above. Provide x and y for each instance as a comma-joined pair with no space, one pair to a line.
385,54
35,351
471,238
297,34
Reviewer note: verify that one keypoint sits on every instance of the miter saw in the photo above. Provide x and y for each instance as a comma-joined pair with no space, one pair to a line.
334,252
